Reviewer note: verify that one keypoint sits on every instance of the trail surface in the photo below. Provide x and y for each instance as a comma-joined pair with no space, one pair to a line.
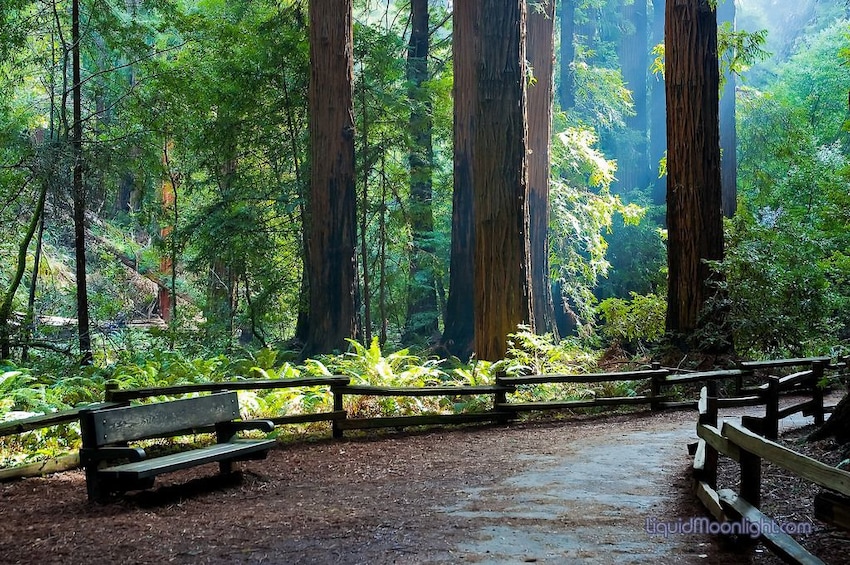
553,492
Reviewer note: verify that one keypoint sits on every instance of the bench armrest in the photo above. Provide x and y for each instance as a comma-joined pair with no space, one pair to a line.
89,455
226,430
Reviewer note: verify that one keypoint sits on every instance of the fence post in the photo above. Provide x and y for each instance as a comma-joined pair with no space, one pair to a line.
109,390
771,408
709,418
818,368
655,388
501,397
750,472
335,427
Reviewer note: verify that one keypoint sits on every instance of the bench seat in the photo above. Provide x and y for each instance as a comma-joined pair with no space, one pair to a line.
234,450
114,462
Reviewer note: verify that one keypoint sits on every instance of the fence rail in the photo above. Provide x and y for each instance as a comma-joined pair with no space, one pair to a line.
505,406
745,446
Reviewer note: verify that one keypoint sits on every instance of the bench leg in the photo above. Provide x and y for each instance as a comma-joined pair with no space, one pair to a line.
225,467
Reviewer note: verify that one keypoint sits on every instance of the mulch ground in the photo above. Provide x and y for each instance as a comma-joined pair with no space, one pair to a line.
376,499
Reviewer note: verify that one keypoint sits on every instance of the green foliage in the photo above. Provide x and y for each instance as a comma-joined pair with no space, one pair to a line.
781,297
531,354
582,214
787,247
640,319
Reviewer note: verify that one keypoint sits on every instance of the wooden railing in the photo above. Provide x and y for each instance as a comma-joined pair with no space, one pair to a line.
741,444
505,406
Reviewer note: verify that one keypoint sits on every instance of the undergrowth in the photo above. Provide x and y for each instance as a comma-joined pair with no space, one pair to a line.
51,386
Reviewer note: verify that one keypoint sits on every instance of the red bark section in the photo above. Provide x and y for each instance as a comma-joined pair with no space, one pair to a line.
694,218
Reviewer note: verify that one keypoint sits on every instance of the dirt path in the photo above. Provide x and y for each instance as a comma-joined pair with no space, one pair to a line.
537,492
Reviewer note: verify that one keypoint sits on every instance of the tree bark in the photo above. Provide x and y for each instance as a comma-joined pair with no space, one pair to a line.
9,296
502,283
422,315
566,92
694,218
658,111
459,324
331,245
633,166
541,56
728,133
79,191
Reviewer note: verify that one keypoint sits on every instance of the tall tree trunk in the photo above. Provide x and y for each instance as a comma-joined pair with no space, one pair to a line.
382,236
459,325
364,216
658,111
18,275
694,219
502,283
30,321
169,208
566,92
422,315
633,165
541,56
332,193
728,133
79,191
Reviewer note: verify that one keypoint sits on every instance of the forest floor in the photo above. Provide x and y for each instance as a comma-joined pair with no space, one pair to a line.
555,491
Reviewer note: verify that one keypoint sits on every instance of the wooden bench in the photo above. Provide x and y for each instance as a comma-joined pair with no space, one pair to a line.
113,466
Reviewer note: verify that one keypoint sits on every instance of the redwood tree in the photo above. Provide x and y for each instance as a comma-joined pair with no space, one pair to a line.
728,134
459,329
502,287
421,288
657,109
331,236
541,56
694,218
634,169
79,190
566,90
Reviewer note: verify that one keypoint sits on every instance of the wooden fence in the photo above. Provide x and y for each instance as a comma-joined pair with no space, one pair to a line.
745,446
656,381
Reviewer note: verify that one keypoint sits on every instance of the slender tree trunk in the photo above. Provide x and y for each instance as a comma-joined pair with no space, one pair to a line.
658,111
541,56
633,166
422,315
728,133
302,323
566,92
332,202
459,324
364,219
694,219
29,323
382,291
79,191
9,296
502,282
169,207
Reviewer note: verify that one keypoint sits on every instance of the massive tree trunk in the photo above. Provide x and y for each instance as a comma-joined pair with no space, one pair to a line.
658,110
502,287
422,319
728,133
459,329
633,166
331,241
79,191
541,56
566,91
694,219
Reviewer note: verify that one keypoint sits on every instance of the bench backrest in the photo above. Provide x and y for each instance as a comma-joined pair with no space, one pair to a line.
128,423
